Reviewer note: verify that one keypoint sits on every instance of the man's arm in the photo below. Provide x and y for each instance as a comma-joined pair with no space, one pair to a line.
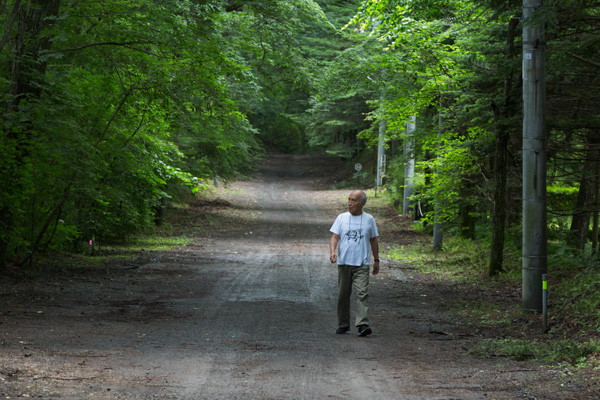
375,250
333,243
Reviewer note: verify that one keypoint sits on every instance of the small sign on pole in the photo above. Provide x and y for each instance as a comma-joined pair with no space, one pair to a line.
359,175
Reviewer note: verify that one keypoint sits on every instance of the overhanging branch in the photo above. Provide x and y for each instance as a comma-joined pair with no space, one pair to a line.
583,59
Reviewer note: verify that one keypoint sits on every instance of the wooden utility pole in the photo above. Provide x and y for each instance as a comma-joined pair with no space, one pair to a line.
534,262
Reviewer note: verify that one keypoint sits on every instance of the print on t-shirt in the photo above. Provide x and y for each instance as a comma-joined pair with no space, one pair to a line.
355,235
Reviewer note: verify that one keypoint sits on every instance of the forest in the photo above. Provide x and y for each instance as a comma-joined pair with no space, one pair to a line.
111,110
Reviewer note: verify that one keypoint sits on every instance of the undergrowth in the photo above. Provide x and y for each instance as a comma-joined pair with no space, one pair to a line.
551,351
573,332
460,259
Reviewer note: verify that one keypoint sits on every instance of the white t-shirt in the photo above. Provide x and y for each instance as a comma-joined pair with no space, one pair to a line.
355,234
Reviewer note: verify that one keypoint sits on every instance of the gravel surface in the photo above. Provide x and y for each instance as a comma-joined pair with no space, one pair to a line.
247,311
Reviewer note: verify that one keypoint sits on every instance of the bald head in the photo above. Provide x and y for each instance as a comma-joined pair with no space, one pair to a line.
359,194
356,202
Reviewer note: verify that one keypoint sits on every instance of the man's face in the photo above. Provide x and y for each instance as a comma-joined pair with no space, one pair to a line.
355,204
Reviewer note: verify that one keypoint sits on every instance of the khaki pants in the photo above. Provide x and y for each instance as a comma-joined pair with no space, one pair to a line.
357,278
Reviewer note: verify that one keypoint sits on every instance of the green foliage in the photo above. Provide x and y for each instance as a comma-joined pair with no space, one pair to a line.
577,354
456,165
122,103
560,199
342,84
272,49
431,54
395,179
284,133
462,59
578,300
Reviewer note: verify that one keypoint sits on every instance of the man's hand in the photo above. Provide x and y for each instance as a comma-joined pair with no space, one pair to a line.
333,243
375,249
376,268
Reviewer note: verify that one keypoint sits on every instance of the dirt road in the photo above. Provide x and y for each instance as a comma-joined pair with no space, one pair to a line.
247,313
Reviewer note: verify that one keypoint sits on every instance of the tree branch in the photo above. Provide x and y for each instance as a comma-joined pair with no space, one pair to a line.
113,116
10,24
85,46
585,60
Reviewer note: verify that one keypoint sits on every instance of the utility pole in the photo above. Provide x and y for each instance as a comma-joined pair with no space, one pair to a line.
534,260
409,168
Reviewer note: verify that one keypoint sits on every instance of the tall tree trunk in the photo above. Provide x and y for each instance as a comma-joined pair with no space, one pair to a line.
503,130
596,205
499,206
34,17
585,200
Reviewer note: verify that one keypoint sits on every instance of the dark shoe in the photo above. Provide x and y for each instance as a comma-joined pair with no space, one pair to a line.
345,329
364,330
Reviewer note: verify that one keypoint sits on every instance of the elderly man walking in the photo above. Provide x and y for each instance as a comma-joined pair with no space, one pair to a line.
354,237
